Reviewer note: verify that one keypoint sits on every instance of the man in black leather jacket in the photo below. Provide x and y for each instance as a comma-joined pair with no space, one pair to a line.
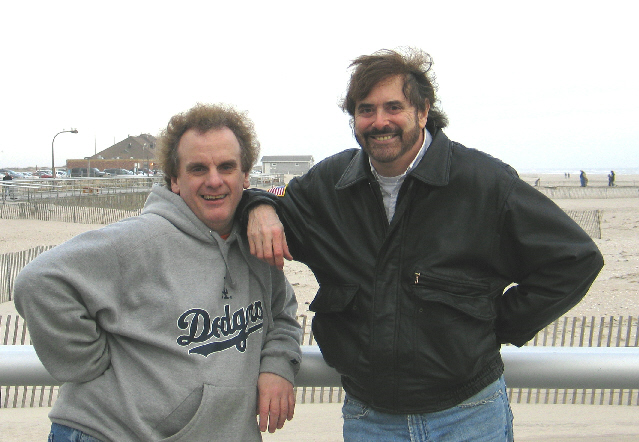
429,255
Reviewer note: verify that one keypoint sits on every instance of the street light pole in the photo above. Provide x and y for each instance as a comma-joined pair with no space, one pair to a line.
88,166
72,131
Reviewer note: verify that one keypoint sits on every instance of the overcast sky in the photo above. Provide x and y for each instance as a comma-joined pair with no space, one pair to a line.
543,84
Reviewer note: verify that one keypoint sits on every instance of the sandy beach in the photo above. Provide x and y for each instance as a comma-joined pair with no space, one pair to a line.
615,292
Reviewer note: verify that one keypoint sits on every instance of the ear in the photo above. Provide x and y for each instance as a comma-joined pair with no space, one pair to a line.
423,116
247,180
175,187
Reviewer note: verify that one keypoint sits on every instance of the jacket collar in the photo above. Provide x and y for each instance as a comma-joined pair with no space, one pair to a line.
433,169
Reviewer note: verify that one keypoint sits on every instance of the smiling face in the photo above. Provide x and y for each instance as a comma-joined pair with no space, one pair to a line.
210,177
388,127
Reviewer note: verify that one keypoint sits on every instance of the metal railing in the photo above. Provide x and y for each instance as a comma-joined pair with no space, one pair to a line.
526,367
574,360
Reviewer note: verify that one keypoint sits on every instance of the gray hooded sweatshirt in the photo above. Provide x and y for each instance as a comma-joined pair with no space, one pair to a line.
159,328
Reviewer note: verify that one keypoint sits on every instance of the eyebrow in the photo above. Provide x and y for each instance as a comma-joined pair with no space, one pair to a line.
387,103
233,163
190,166
397,103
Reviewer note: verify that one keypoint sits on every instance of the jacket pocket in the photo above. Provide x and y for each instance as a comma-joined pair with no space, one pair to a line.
337,326
470,297
334,298
224,413
452,329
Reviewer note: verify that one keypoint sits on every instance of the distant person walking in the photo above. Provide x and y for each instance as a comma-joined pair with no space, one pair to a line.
583,179
611,178
7,189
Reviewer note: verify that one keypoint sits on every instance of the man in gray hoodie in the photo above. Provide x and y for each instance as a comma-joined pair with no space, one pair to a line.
163,326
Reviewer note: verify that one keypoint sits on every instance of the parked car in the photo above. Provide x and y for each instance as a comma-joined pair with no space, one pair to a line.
82,172
117,172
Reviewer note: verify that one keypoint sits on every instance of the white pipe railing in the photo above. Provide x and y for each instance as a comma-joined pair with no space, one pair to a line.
526,367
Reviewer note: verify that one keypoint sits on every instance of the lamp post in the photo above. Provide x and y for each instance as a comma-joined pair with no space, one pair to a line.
88,166
72,131
144,148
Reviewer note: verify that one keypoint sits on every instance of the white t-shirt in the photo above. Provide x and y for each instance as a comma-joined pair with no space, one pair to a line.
390,186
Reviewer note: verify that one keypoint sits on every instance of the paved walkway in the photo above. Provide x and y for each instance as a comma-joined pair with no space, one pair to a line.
533,422
322,423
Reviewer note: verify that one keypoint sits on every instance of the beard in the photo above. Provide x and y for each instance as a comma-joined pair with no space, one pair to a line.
387,153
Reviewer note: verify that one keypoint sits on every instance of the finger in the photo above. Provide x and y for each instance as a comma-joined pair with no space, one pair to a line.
263,417
255,244
278,245
255,236
252,246
278,259
286,253
261,248
291,406
274,417
283,413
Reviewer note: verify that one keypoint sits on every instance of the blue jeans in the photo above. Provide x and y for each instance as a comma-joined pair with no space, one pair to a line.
484,417
62,433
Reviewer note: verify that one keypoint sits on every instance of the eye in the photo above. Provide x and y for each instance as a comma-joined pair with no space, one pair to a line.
196,168
227,167
365,111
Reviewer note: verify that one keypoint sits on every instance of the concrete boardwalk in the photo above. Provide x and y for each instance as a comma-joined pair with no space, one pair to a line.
533,422
322,423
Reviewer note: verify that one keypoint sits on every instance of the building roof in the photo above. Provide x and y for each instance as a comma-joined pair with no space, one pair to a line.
286,158
141,147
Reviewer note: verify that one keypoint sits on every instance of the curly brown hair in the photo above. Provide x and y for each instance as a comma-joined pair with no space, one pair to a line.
205,117
419,82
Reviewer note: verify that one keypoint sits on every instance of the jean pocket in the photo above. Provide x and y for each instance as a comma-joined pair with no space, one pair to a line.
353,409
490,394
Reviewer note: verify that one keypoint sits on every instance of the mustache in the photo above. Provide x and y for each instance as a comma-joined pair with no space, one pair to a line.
383,131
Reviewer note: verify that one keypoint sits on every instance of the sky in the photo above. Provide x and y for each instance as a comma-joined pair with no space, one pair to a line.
542,85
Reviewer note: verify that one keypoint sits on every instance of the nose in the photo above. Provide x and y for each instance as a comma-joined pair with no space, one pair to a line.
213,178
380,120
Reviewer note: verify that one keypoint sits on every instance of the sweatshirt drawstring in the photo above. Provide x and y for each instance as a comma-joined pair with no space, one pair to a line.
224,249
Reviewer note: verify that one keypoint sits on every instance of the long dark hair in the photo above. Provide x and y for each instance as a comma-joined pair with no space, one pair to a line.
419,81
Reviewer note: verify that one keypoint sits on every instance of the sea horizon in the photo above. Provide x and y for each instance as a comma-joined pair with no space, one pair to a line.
589,171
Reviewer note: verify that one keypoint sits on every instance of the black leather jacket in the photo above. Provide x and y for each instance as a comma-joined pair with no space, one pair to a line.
412,314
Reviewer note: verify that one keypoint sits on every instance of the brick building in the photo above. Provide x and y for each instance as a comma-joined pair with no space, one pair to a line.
131,153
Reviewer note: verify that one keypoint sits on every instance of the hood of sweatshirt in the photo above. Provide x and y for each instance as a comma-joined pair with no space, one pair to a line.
163,202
